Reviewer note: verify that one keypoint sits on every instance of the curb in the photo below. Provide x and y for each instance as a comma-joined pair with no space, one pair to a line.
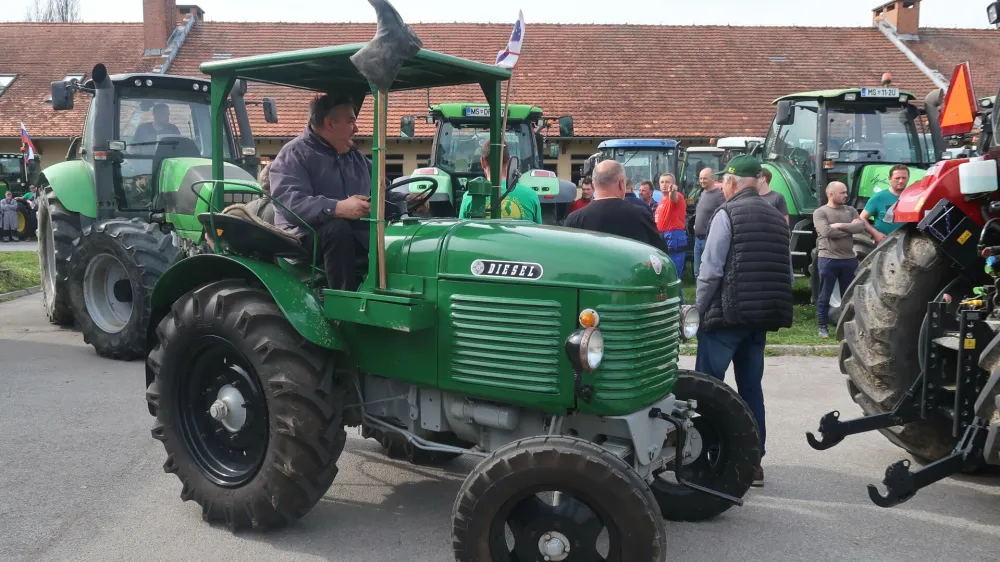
22,293
778,350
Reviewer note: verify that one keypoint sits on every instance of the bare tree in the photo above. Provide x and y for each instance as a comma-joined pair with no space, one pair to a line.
53,11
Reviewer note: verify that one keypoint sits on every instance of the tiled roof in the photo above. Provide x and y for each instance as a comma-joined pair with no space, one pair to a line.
43,53
943,49
621,80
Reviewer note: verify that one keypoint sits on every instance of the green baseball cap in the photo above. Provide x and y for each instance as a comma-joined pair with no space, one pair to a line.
743,166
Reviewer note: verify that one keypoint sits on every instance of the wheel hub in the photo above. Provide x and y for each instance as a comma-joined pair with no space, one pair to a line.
107,293
693,447
554,546
228,409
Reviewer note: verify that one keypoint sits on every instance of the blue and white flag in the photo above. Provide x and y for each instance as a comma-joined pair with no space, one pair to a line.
507,58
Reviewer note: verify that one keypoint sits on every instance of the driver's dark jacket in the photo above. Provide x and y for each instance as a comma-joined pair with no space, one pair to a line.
310,177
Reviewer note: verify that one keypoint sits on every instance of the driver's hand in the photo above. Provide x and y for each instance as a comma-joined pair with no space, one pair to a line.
353,208
879,237
424,207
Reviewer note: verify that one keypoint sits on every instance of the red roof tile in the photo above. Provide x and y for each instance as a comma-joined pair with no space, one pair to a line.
943,49
43,53
621,80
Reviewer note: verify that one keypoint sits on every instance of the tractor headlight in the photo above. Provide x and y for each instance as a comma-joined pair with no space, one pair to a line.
585,349
690,322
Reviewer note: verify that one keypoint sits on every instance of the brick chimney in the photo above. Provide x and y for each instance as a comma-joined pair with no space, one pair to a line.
159,18
185,9
904,15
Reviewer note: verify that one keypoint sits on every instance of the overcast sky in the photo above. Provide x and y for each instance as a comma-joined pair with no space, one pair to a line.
934,13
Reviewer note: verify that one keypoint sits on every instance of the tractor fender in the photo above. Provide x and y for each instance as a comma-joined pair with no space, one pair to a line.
73,183
295,300
940,182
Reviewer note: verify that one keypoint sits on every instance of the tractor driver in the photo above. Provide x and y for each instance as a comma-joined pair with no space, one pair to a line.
322,177
160,125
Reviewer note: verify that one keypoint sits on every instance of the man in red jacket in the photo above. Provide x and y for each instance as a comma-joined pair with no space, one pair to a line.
671,215
586,194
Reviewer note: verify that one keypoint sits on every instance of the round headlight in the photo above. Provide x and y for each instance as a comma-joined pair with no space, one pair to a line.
585,349
690,322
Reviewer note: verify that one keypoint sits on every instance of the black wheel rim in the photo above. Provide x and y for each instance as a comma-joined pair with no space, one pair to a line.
225,457
539,517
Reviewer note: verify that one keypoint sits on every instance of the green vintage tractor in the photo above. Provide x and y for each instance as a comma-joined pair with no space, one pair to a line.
497,339
16,176
852,135
121,209
462,128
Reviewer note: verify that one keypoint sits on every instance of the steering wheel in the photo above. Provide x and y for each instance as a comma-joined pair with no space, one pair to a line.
849,143
417,202
799,157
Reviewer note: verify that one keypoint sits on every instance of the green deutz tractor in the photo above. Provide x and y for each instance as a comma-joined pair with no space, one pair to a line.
121,208
462,129
16,177
494,338
851,135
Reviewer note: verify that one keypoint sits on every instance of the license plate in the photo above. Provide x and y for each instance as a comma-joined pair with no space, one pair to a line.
880,92
479,112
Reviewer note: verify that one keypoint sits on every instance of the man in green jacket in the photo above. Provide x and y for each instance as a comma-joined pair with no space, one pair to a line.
521,204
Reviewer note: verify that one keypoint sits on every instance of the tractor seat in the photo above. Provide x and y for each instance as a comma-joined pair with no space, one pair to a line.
247,234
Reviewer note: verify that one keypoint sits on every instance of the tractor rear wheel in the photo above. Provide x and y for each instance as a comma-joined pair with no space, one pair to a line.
249,412
879,331
58,229
112,275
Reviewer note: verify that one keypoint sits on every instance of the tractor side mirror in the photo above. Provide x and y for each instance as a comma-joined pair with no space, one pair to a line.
62,96
407,126
589,164
270,110
786,113
566,126
993,13
753,147
513,173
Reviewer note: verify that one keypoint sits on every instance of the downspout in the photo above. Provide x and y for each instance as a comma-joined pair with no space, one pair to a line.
890,33
175,42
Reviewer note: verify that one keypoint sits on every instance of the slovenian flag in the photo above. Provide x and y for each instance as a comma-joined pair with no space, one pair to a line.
27,146
507,58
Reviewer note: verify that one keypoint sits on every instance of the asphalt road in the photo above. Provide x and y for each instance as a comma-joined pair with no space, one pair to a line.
81,479
26,246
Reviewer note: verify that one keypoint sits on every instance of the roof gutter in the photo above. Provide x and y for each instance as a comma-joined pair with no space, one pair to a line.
892,35
175,42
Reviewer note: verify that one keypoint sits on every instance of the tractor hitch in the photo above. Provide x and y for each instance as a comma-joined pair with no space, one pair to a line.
901,484
832,431
681,439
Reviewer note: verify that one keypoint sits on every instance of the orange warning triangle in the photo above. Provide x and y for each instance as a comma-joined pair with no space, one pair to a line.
958,115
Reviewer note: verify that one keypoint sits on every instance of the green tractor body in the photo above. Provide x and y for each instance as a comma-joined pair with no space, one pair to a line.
461,130
123,205
852,135
482,336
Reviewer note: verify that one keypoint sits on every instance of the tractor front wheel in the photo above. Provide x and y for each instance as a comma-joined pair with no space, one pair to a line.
559,498
58,229
722,451
112,275
249,412
879,331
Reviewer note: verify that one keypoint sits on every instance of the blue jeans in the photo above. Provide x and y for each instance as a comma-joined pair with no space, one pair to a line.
832,271
699,249
677,250
745,350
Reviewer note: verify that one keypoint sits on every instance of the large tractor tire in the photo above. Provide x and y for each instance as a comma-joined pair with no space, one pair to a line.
879,332
396,446
26,224
249,412
863,245
112,275
58,229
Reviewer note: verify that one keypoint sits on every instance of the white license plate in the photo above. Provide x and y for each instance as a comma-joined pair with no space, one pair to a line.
479,112
880,92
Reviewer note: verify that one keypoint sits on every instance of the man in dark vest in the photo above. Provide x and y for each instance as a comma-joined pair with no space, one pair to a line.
744,287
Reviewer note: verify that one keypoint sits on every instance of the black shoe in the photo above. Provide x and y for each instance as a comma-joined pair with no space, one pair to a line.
758,478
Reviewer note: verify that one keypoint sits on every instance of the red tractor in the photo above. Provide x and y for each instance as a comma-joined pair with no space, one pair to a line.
920,328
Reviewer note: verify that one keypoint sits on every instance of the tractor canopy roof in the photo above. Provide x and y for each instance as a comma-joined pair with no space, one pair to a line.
638,143
518,112
330,70
830,94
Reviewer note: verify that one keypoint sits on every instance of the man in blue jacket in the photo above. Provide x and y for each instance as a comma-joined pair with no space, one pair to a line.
322,177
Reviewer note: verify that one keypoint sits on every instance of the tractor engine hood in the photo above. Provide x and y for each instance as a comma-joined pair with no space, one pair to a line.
525,253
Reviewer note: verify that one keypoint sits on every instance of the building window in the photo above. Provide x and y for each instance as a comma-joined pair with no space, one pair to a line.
68,78
5,81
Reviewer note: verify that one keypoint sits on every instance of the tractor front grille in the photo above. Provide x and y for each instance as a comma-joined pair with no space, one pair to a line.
504,343
641,346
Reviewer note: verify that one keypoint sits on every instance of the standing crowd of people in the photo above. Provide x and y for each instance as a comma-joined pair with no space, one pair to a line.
9,223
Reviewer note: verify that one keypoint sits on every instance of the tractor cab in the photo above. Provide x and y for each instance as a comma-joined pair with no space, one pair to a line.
13,174
696,159
146,135
643,159
461,131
